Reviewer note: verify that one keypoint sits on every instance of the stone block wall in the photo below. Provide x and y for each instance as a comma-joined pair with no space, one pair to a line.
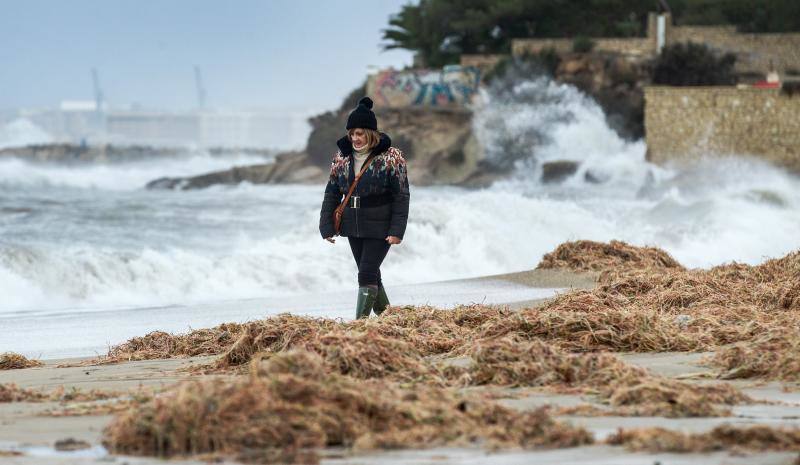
482,62
521,47
683,123
641,46
709,34
754,51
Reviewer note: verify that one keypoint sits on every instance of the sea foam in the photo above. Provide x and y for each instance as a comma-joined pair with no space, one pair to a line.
86,238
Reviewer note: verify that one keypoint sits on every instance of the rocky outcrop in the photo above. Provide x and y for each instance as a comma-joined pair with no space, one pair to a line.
439,147
438,144
72,153
108,153
557,171
291,167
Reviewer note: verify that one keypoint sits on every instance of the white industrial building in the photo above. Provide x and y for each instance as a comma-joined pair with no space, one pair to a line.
81,122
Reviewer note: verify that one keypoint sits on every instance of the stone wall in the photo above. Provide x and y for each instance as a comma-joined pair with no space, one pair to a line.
682,123
644,47
710,34
754,51
521,47
639,46
483,62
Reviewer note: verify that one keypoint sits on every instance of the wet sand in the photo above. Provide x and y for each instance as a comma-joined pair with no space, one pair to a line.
26,427
26,423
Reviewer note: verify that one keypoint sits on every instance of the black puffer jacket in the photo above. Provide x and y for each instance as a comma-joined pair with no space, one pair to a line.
385,177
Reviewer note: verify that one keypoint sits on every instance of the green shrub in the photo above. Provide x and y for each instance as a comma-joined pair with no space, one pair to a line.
582,44
692,64
549,59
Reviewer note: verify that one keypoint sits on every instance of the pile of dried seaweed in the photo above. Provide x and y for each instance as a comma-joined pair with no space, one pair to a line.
630,390
74,394
317,382
13,361
13,393
668,310
774,355
654,306
423,331
601,256
753,438
81,403
290,405
158,344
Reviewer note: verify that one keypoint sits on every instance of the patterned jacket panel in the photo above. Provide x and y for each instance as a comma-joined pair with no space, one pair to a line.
386,173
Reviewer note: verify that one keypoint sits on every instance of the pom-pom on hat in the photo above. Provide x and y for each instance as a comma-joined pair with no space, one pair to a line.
362,116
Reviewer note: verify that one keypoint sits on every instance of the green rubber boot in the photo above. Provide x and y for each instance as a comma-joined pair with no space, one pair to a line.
381,301
366,298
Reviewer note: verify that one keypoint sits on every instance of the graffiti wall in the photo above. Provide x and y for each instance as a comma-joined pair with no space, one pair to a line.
451,86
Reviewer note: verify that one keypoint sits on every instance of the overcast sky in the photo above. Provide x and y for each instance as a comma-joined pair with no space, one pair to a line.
306,54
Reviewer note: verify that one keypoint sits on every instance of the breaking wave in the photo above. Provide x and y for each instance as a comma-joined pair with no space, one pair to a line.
90,237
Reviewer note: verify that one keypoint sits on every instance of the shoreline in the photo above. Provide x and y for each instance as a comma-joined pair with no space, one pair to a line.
42,337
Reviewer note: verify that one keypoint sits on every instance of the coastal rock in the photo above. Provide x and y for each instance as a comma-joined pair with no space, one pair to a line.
557,171
290,167
438,143
573,65
108,153
593,177
73,153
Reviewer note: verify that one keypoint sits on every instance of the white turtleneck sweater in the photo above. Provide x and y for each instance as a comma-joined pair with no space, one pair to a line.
359,156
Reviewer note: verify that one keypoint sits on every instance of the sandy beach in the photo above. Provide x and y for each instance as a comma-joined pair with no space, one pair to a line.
29,430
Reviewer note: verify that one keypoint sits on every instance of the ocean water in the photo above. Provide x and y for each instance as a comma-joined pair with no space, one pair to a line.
88,249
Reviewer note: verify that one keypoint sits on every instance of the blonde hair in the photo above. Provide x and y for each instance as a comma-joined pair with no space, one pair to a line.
373,136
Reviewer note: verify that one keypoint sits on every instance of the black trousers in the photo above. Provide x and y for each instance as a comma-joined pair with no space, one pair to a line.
369,254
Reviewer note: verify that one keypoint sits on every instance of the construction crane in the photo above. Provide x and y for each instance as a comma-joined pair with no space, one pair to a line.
98,93
201,91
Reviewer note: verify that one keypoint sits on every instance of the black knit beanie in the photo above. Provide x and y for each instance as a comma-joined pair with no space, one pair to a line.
362,116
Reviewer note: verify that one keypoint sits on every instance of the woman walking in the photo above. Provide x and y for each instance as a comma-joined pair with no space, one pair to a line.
369,185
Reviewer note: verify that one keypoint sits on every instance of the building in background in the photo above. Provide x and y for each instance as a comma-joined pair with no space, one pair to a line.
82,122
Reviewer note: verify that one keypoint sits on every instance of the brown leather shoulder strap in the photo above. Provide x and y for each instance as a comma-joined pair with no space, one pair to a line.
355,181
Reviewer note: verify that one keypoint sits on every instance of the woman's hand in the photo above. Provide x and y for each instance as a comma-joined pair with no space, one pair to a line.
393,240
331,240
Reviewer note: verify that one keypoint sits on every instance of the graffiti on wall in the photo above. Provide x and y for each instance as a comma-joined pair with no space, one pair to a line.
452,86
